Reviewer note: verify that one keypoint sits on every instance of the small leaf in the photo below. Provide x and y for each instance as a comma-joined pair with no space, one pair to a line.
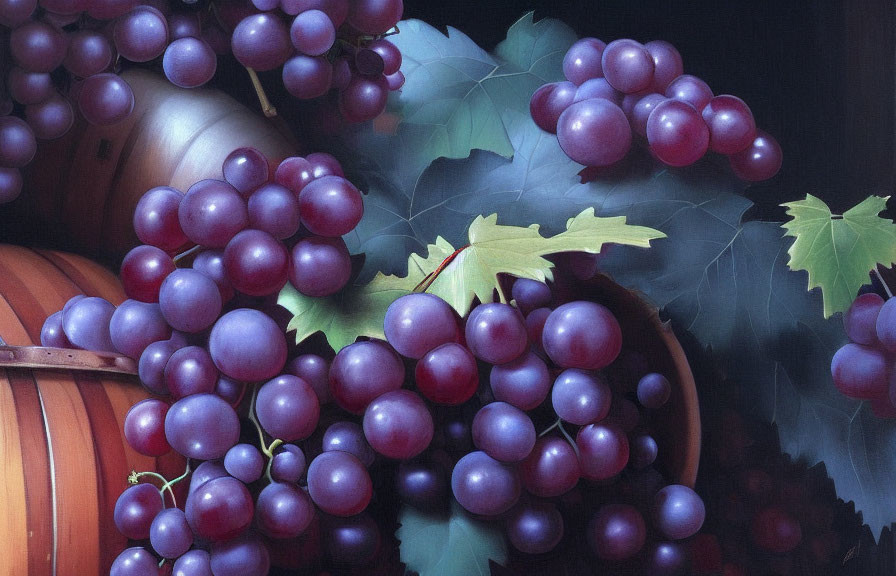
495,249
449,545
838,253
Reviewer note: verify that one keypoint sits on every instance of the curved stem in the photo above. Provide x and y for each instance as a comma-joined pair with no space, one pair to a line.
575,447
551,427
883,282
186,253
252,418
427,281
266,105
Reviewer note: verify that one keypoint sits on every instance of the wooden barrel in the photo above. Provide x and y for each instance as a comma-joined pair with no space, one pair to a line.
89,181
63,454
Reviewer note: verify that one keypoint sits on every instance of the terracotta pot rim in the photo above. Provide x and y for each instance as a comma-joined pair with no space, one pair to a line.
65,359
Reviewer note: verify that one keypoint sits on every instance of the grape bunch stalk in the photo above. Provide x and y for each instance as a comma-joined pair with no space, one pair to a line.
624,92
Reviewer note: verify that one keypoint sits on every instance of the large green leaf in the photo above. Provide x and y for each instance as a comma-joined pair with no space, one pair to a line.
449,545
839,252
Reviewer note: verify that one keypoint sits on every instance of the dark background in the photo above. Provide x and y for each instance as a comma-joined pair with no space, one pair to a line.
818,74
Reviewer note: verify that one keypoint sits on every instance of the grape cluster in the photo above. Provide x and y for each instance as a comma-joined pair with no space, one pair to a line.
623,91
863,368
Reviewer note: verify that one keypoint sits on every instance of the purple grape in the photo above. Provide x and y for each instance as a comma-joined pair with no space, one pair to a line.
398,424
202,426
676,133
135,325
731,124
319,266
349,437
206,471
312,369
15,12
89,53
423,485
135,509
288,464
170,534
395,81
418,323
212,212
549,102
342,73
374,17
86,324
667,64
211,263
275,210
352,541
330,206
535,527
364,98
219,509
27,87
144,427
447,374
135,561
368,62
761,160
530,294
337,10
339,483
691,90
362,371
143,270
257,264
190,301
261,42
312,33
17,143
287,408
52,334
860,321
10,184
678,512
654,390
37,46
184,25
582,61
524,382
247,345
245,556
141,35
389,53
484,486
582,335
641,112
551,468
627,66
598,88
307,77
667,559
245,169
155,218
580,397
504,432
496,333
244,462
594,132
617,532
860,371
151,366
643,451
283,510
190,370
105,99
196,562
603,450
189,62
294,173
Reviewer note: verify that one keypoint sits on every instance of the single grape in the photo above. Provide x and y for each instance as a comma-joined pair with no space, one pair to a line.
141,35
422,484
389,53
580,397
15,12
170,534
483,485
496,333
37,46
667,64
860,321
10,184
143,271
287,408
261,42
190,301
395,81
363,371
312,32
144,427
190,370
654,390
617,532
535,527
184,25
549,102
598,88
202,426
368,62
337,10
319,266
312,369
52,334
105,99
51,118
504,432
676,133
196,562
623,413
256,263
275,210
339,483
219,509
349,437
245,169
447,374
551,468
17,143
244,462
151,366
330,206
582,335
189,62
418,323
398,424
294,173
135,509
678,512
860,371
155,218
374,17
245,556
89,53
288,464
641,111
524,382
603,450
530,294
86,324
307,77
668,559
212,212
594,132
135,561
364,98
627,66
643,450
353,540
283,510
247,345
690,89
731,124
759,161
582,61
28,87
135,325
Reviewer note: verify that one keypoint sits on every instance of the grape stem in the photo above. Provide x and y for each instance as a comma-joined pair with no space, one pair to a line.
427,281
266,449
266,105
134,478
883,282
187,253
559,426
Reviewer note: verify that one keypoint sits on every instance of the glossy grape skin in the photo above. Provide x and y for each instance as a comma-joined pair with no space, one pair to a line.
352,541
731,124
422,484
247,345
245,169
283,510
535,527
190,301
105,99
17,143
594,132
504,432
245,556
170,534
642,451
144,427
390,54
10,184
337,10
155,218
135,561
212,212
627,66
860,371
330,206
551,468
362,371
549,102
582,61
86,324
641,112
151,366
860,321
447,374
339,483
294,173
374,17
51,118
654,390
364,98
275,210
603,450
307,77
530,294
312,369
617,532
312,32
580,398
319,266
496,333
184,25
676,133
52,334
398,424
15,12
524,382
261,42
690,89
141,34
135,325
667,559
667,64
775,530
211,263
202,426
287,408
483,485
256,263
135,509
582,335
761,160
419,322
288,464
143,270
37,46
598,88
189,62
196,562
219,509
324,164
28,87
349,437
244,462
678,512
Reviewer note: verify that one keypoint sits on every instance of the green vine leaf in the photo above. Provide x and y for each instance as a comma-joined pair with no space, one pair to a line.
839,252
448,545
456,276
